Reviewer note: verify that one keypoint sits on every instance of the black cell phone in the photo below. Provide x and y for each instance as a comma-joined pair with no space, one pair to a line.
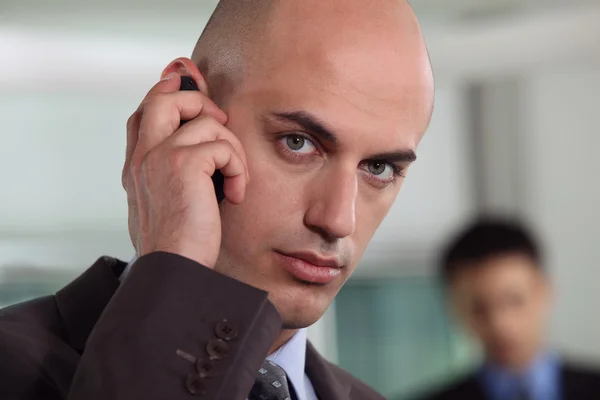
218,179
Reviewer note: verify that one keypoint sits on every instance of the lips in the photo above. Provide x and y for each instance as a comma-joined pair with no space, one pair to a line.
314,259
309,267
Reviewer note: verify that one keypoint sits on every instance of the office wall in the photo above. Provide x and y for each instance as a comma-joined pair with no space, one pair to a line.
561,138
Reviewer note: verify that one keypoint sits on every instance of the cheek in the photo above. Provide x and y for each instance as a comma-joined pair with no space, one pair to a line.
272,200
370,213
270,192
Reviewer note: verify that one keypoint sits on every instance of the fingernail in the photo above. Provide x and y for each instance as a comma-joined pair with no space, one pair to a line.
169,76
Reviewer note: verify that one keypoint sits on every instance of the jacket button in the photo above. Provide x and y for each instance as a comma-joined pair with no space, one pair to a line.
195,386
226,330
205,369
217,349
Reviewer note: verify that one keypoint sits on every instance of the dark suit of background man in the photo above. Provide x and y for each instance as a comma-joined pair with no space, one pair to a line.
315,113
502,293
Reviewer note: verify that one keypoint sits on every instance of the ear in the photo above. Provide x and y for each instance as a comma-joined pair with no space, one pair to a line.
185,67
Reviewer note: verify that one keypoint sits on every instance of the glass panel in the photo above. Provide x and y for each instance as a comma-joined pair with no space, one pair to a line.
21,283
397,336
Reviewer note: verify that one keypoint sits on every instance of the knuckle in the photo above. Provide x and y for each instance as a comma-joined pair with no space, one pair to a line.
206,121
177,158
224,145
131,120
125,177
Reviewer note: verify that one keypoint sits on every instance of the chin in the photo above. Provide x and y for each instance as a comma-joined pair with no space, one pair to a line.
511,358
300,310
299,303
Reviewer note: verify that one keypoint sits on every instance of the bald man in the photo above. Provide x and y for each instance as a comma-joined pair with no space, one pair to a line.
313,111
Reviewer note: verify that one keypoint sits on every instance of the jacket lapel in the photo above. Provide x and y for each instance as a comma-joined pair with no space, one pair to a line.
328,385
81,303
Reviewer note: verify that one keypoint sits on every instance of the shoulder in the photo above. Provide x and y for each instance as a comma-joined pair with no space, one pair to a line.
33,357
360,390
27,321
582,367
582,372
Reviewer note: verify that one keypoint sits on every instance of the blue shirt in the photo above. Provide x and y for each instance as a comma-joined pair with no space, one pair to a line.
291,357
542,380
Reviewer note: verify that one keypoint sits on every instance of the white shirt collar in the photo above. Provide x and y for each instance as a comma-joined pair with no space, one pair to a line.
292,358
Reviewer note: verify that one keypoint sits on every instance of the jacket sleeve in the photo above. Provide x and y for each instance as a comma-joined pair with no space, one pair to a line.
177,330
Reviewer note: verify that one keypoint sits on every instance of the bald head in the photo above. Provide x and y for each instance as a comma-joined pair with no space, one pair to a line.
227,43
245,33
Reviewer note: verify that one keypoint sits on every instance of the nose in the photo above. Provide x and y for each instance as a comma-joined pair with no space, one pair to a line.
332,211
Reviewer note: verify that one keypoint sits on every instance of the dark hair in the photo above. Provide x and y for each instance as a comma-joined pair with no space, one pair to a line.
485,238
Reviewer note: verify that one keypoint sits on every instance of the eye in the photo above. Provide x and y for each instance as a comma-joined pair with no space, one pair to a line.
382,170
298,144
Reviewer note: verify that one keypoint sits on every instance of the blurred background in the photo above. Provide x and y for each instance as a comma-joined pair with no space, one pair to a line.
515,130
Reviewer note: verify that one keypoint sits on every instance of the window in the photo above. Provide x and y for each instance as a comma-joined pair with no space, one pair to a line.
396,335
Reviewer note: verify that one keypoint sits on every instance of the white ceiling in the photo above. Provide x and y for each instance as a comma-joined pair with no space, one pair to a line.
55,12
453,9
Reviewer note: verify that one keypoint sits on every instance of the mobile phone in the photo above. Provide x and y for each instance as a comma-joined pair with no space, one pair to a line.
218,179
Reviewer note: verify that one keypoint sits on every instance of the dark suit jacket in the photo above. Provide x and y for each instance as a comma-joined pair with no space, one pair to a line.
173,330
578,384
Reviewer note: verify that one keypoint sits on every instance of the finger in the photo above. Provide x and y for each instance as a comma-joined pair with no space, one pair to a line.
183,66
221,155
171,82
162,115
205,129
133,126
168,84
198,102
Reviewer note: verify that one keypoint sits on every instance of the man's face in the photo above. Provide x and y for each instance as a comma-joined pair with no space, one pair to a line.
504,302
330,121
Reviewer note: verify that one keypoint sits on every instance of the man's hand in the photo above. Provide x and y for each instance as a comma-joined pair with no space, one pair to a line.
168,169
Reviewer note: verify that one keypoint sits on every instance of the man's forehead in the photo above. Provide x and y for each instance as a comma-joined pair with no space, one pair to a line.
333,13
401,117
383,75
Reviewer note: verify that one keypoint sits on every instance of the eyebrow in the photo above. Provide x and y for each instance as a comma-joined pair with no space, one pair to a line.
402,156
308,122
312,124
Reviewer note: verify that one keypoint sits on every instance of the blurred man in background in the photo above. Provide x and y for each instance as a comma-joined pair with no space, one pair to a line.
499,288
